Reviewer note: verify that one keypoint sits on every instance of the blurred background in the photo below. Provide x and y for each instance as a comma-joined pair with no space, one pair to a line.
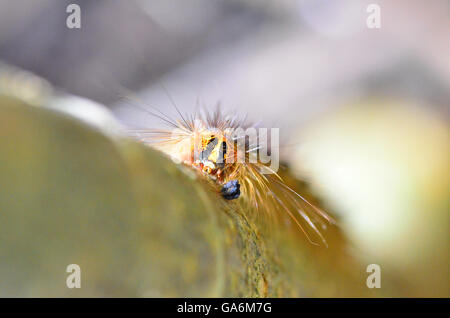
363,113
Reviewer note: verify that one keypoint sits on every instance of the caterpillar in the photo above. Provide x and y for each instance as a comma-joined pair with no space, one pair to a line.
217,145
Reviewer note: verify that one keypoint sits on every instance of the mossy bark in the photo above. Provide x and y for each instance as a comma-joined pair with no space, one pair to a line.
136,223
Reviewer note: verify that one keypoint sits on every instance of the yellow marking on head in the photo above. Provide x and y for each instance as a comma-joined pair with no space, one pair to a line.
217,152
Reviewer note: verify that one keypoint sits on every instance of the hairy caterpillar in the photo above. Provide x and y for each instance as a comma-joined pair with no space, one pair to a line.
216,145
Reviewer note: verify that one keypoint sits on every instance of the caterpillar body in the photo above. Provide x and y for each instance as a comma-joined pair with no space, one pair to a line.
210,143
